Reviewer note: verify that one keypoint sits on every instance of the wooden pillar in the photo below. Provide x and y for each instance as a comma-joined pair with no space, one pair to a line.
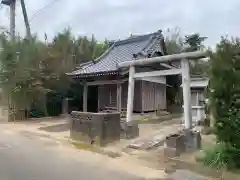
198,109
130,93
98,89
143,97
119,97
85,97
65,106
186,94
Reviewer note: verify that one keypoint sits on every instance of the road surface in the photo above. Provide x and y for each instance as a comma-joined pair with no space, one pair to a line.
27,157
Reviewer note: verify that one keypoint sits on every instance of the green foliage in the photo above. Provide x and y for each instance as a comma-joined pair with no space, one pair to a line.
225,104
208,130
222,156
225,90
31,69
174,41
19,68
174,44
194,42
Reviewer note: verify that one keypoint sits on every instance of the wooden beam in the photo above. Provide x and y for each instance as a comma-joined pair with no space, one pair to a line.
160,80
167,66
94,83
130,94
85,97
186,94
158,73
161,59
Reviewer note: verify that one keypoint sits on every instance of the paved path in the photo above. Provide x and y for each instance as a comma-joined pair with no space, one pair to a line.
24,156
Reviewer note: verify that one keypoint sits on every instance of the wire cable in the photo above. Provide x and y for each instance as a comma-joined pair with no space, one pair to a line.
42,9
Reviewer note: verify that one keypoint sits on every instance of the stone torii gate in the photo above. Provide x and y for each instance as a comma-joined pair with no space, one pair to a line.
183,71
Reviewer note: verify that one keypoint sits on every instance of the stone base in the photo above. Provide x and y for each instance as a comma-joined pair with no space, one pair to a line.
95,128
186,141
192,140
176,141
129,130
171,152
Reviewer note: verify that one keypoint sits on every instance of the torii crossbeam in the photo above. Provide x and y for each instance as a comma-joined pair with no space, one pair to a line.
183,71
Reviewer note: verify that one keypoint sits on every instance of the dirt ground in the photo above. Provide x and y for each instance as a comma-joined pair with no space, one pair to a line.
152,159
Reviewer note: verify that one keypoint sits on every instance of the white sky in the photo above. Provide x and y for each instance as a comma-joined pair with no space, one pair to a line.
113,19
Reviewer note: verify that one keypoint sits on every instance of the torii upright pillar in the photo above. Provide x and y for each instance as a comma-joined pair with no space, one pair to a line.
186,94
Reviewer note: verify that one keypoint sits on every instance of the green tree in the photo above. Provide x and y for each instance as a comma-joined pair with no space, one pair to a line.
62,56
33,73
174,45
174,41
19,73
225,99
194,42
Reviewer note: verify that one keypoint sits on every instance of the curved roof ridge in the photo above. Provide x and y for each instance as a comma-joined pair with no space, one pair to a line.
126,41
103,54
152,41
137,38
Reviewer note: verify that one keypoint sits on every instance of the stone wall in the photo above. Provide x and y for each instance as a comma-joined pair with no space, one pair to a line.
95,128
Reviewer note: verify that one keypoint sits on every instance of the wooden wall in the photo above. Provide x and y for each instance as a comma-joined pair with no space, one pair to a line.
154,96
107,95
148,96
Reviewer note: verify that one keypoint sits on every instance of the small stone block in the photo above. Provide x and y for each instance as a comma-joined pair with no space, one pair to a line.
176,141
170,152
197,140
130,130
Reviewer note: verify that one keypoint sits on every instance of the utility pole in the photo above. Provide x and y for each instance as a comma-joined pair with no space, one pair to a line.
12,5
25,16
12,19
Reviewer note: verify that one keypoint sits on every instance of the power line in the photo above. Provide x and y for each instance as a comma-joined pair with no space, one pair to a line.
42,9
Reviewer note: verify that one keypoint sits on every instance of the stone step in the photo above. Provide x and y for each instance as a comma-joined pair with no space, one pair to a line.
155,140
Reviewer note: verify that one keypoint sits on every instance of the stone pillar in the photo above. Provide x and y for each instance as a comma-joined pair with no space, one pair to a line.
186,94
130,93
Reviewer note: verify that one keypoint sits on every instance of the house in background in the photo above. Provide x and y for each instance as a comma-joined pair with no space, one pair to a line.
111,83
198,86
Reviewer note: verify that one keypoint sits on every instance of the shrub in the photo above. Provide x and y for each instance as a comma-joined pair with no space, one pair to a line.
222,156
225,103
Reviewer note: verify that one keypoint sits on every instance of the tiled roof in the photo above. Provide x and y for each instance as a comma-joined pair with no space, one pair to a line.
120,51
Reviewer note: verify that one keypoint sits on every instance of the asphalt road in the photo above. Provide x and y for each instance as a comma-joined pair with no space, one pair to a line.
24,157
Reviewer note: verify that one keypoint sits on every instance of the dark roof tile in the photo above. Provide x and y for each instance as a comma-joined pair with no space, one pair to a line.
120,51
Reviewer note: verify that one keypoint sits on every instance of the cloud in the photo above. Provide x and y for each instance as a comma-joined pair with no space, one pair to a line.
113,19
